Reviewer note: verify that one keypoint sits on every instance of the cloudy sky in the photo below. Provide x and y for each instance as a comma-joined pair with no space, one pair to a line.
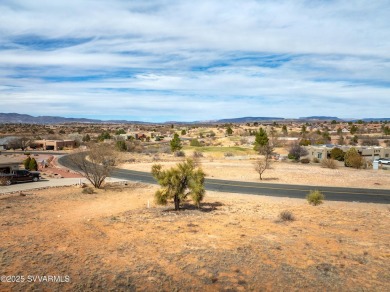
160,60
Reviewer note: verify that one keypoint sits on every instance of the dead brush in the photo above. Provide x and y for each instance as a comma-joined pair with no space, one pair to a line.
286,216
3,181
329,163
88,191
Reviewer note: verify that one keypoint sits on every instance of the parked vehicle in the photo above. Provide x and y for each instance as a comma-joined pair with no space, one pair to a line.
20,176
384,161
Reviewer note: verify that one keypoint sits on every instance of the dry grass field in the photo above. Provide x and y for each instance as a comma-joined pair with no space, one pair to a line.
111,241
280,172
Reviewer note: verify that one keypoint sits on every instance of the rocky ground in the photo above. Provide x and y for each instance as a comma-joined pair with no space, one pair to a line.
111,241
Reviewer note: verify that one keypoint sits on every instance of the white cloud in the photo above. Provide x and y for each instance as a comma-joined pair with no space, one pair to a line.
196,59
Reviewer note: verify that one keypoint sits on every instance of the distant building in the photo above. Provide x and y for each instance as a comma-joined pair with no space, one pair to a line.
54,144
10,162
367,152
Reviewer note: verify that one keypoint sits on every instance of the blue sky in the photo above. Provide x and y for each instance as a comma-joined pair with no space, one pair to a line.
195,60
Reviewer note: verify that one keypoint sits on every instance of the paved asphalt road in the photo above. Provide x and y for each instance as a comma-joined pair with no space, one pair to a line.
276,190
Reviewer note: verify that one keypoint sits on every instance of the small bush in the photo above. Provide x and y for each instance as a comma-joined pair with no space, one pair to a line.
329,163
88,191
353,159
228,154
180,153
197,154
316,160
195,143
305,160
291,156
357,162
3,181
337,154
315,197
286,216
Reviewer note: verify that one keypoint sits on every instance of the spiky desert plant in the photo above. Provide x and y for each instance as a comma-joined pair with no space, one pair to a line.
179,182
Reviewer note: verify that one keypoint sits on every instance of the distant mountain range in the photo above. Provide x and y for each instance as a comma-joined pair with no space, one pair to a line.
27,119
321,118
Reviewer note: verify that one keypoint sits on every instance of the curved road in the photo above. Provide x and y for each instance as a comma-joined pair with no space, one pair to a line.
269,189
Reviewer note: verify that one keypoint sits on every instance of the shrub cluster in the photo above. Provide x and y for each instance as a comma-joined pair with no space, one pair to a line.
305,160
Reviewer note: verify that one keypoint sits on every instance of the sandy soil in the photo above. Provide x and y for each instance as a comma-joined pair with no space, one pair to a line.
110,241
283,172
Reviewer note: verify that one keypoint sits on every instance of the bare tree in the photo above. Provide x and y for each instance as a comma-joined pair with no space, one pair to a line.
96,164
261,165
264,163
20,143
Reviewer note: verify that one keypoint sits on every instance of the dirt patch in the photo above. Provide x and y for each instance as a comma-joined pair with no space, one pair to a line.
110,240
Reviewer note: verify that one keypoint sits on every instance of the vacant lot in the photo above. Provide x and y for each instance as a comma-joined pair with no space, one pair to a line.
111,241
280,172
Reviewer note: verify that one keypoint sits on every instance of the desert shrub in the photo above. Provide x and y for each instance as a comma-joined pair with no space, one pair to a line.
329,163
337,154
353,159
197,154
165,149
305,142
315,197
134,146
243,141
121,146
180,153
290,156
286,216
195,143
316,160
228,154
88,191
3,181
357,162
305,160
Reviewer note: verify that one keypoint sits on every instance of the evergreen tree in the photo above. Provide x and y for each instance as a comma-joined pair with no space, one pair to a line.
284,130
303,130
33,165
337,154
261,139
26,162
86,138
179,182
103,136
229,131
353,129
175,143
